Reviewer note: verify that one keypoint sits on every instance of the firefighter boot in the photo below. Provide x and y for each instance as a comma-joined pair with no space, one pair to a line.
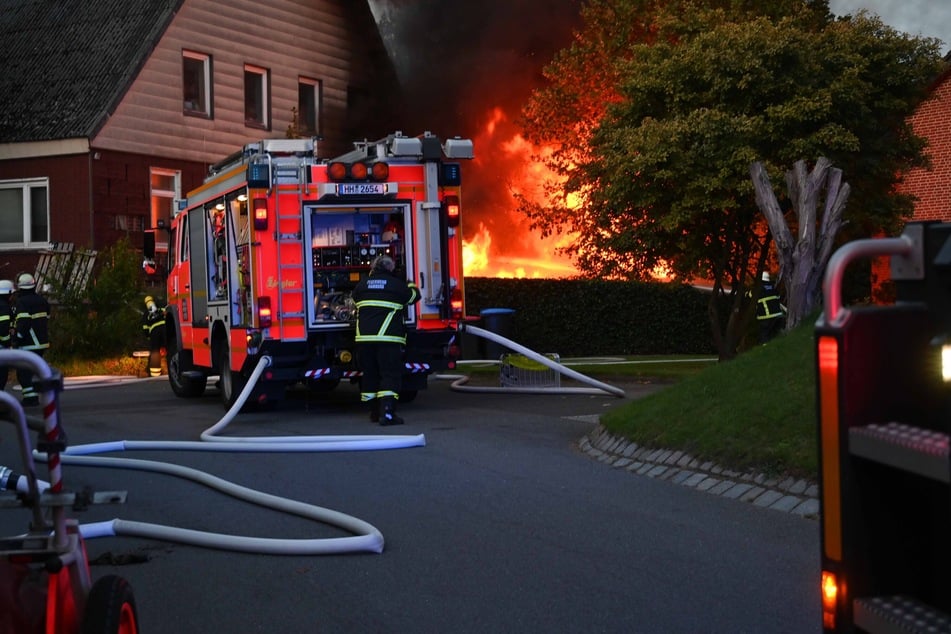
375,410
389,413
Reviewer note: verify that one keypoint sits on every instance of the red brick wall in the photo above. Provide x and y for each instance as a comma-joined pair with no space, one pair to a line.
120,186
932,188
69,204
932,120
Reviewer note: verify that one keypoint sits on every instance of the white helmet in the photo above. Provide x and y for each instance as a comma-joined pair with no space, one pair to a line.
6,287
25,281
765,276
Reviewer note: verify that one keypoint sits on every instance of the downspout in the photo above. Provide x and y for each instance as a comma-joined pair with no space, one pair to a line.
92,219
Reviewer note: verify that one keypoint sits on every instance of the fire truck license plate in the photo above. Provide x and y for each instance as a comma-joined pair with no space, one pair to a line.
357,189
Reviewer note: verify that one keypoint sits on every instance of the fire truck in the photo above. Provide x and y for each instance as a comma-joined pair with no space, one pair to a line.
884,417
264,255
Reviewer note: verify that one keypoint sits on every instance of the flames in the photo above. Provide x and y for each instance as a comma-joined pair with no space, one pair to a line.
498,241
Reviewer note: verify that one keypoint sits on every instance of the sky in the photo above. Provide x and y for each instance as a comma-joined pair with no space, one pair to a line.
931,18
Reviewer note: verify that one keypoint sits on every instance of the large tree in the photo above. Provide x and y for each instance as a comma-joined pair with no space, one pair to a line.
668,115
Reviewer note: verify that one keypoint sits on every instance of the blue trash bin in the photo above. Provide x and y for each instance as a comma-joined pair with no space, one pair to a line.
501,322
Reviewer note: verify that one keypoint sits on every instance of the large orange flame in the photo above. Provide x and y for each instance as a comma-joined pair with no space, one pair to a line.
500,241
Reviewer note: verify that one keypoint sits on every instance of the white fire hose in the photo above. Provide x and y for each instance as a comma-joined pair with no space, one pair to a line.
366,537
459,381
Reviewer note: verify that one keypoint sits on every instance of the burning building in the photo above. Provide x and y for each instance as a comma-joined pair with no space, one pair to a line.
467,68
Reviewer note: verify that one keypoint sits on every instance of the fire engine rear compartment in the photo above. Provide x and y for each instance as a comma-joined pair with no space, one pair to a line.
268,251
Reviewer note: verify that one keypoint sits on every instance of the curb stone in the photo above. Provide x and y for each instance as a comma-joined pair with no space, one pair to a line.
789,495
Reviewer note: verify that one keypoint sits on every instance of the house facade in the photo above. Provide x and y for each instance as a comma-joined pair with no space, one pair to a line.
110,111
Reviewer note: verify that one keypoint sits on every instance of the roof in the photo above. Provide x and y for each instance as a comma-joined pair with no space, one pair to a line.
67,63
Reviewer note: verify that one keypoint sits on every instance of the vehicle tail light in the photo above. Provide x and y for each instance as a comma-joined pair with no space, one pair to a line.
260,214
264,311
455,303
830,598
450,206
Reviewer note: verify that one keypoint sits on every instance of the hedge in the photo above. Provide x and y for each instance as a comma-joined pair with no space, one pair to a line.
576,318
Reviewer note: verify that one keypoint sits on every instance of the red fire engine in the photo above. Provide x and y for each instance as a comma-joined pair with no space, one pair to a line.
264,255
884,409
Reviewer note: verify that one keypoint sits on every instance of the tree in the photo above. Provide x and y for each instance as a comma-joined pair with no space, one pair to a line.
663,175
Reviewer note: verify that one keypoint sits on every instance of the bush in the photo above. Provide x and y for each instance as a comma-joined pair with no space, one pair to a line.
105,320
597,317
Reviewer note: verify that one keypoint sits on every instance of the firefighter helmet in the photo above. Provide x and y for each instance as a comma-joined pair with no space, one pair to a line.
383,263
25,281
6,287
148,300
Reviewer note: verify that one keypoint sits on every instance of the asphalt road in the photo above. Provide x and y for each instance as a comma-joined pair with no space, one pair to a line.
498,524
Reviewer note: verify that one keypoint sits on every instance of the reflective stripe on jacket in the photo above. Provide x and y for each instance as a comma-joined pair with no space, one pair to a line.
380,300
769,306
6,323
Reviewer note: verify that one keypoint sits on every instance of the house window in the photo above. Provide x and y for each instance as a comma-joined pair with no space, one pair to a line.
309,102
24,213
256,105
165,189
196,84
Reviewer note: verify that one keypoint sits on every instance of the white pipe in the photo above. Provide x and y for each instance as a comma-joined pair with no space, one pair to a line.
531,354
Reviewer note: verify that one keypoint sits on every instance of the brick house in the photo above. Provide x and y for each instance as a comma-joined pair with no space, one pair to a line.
111,110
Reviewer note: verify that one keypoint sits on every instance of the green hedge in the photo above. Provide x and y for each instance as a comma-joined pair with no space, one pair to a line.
592,317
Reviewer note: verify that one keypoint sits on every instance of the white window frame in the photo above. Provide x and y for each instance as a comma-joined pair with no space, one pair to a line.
167,196
260,94
192,108
315,85
26,213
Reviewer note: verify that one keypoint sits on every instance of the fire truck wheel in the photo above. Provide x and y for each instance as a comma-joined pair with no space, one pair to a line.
231,383
110,608
179,369
408,396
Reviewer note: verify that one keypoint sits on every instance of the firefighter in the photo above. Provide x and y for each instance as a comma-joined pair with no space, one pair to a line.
153,327
381,336
31,330
6,326
769,310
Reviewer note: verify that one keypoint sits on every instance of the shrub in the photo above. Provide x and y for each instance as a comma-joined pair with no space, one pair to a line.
105,319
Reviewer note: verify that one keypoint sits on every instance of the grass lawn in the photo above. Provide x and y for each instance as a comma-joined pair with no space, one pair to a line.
756,412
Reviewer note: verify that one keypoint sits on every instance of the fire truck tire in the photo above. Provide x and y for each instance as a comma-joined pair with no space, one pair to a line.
231,383
110,608
179,368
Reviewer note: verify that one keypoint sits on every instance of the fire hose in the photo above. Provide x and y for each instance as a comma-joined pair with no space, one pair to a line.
459,381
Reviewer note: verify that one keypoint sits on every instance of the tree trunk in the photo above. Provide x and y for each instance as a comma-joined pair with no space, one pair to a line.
802,263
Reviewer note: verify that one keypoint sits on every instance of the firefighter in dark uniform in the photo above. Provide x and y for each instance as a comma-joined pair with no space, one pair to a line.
31,330
153,327
6,326
769,310
381,337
